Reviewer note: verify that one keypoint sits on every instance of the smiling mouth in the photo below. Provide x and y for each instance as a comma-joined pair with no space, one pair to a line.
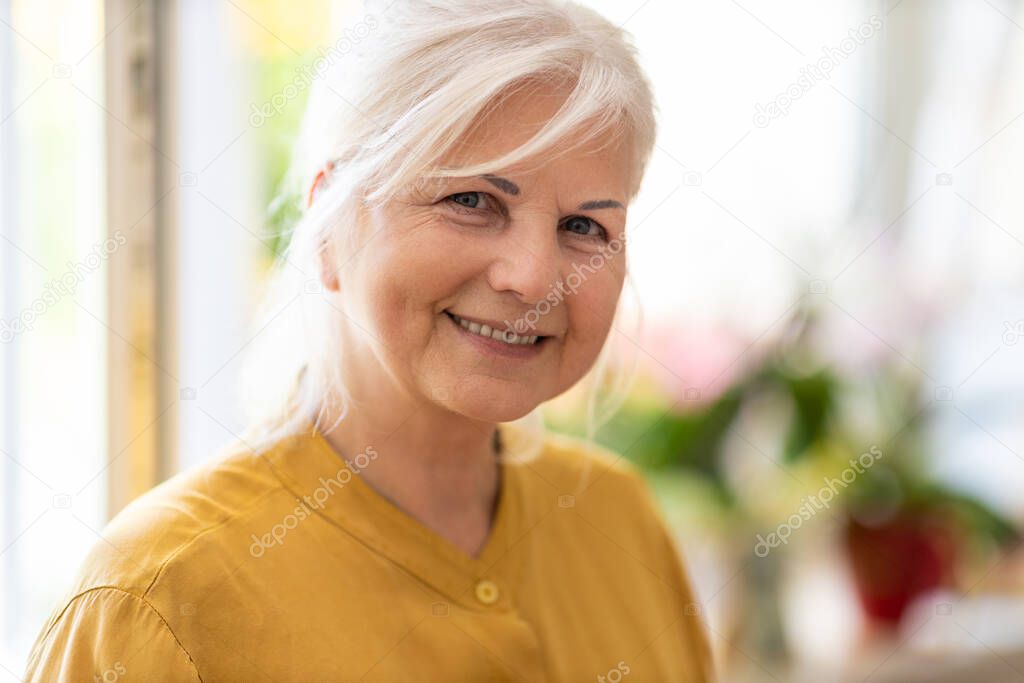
507,336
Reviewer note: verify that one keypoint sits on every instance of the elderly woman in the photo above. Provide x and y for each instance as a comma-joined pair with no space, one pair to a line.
390,515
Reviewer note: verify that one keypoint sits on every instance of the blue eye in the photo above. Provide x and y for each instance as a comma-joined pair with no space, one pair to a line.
469,200
581,225
475,202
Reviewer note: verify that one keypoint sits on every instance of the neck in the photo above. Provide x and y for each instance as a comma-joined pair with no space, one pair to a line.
438,467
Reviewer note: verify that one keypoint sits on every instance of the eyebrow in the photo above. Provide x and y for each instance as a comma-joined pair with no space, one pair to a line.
601,204
507,186
502,184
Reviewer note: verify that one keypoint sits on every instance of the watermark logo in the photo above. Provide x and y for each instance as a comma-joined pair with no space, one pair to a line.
1013,332
615,674
812,504
308,503
813,73
568,286
112,674
306,74
57,289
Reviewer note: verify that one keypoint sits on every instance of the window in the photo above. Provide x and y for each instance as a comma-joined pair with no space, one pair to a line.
52,295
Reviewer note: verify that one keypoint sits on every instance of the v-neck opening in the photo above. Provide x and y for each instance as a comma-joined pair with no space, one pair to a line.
310,463
432,536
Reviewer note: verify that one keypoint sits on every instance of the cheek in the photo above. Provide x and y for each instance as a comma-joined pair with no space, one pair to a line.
398,302
598,295
591,314
404,280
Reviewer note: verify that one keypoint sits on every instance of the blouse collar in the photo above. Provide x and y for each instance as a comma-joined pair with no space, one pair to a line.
327,485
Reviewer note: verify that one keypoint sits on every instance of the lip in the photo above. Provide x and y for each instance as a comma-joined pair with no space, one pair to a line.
493,347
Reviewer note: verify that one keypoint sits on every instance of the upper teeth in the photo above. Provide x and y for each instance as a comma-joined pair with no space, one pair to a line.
507,336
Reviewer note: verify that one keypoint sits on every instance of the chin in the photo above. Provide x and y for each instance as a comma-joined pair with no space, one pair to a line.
475,413
493,406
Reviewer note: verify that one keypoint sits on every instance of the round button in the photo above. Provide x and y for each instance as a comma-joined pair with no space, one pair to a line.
486,592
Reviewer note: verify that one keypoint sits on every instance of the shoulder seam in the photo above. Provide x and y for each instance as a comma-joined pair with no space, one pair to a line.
144,601
177,551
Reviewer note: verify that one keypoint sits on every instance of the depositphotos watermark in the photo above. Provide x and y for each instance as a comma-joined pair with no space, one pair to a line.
1013,332
564,287
308,503
812,73
61,287
615,674
112,674
306,74
812,504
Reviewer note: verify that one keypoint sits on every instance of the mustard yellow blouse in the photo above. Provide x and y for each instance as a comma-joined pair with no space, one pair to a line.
286,566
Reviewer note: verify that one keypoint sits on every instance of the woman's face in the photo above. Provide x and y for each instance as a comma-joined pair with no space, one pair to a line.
539,251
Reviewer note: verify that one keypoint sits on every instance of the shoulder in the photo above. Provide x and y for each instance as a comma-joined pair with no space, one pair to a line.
572,460
170,520
107,632
616,510
153,558
591,477
185,526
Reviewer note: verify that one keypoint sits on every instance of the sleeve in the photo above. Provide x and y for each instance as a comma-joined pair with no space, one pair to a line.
107,634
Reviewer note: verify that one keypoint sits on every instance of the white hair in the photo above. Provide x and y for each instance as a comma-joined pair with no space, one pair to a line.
383,117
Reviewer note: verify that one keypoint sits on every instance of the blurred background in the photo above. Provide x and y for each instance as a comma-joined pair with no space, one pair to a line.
828,252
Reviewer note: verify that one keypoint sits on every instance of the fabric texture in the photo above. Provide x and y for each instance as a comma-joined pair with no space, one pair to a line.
286,566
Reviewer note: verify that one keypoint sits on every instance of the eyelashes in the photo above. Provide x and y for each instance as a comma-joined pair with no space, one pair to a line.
470,200
587,223
477,203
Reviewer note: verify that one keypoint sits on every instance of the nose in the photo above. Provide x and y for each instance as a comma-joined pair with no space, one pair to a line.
527,261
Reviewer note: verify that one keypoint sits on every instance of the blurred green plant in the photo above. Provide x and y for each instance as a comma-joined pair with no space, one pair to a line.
904,531
668,440
274,72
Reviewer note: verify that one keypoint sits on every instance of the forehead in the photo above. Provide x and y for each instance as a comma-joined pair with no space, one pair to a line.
516,117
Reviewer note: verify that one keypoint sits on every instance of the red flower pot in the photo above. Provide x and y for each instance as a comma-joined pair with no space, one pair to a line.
897,560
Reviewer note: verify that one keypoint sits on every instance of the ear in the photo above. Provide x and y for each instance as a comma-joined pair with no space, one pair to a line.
328,269
319,183
315,187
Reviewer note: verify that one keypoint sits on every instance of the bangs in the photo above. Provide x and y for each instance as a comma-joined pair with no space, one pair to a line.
596,105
